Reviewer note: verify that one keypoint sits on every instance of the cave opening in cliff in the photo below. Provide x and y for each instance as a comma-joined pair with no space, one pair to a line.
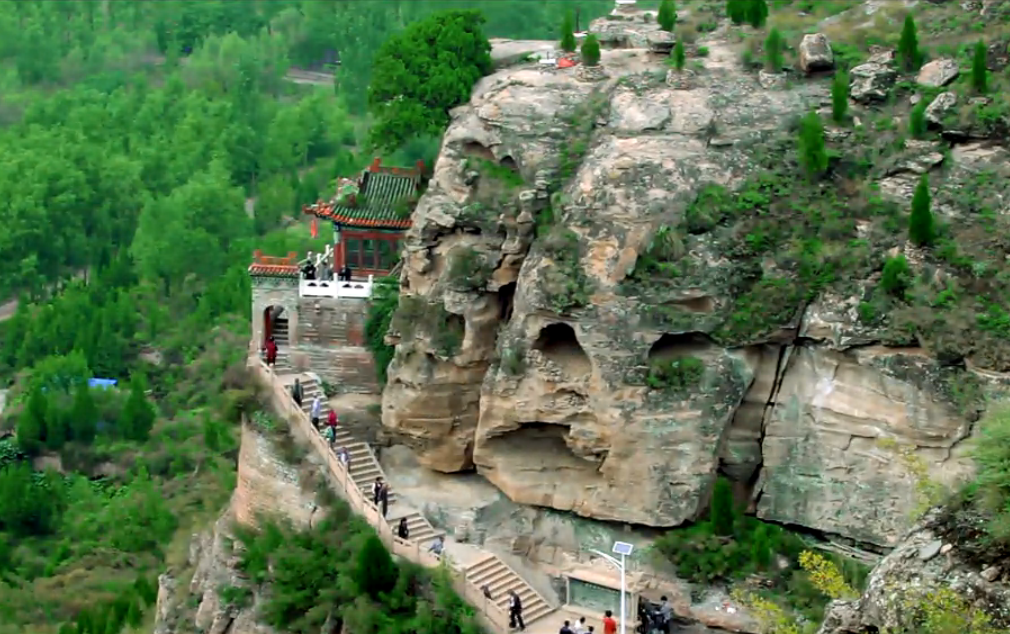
509,163
558,343
476,150
536,447
670,346
506,299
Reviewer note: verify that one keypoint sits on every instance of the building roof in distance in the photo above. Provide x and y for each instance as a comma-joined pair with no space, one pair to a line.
381,198
268,266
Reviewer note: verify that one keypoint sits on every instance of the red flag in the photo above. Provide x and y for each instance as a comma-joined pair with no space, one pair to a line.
315,228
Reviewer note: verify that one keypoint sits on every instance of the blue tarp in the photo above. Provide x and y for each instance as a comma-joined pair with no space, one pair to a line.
102,383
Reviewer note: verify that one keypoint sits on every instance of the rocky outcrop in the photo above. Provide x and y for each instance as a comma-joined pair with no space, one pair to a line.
938,73
534,361
816,53
925,562
871,82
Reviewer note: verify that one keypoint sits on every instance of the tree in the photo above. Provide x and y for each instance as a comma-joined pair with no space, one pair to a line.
568,43
722,512
679,56
909,55
773,51
979,72
757,13
840,97
591,50
138,415
83,415
921,226
423,72
737,11
374,569
917,120
667,15
31,427
812,150
896,276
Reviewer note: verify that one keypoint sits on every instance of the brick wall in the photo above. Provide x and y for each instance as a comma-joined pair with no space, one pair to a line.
331,338
266,484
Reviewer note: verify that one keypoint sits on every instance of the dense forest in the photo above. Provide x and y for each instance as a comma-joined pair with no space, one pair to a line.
149,149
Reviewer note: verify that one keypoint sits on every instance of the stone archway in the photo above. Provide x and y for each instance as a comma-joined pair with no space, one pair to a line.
275,324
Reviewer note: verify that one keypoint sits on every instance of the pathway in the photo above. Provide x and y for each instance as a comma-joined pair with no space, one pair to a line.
475,568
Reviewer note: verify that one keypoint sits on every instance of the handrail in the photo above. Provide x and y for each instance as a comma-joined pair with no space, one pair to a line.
491,612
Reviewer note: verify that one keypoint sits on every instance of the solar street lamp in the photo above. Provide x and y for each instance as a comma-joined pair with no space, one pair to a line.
624,549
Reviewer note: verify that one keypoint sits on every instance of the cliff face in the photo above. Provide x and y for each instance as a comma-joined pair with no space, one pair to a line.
573,326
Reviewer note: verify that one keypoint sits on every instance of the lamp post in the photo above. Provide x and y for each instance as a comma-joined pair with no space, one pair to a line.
623,549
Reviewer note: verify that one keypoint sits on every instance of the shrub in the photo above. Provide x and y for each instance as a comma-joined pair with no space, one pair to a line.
568,34
374,570
813,154
773,51
667,15
979,73
909,55
921,227
591,51
840,97
917,120
737,11
896,276
385,299
679,56
757,13
676,374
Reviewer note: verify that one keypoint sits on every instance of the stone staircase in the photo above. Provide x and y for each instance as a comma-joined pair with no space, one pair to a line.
499,579
282,337
365,468
311,333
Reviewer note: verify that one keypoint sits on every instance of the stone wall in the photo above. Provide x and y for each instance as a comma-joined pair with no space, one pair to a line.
268,292
331,343
267,485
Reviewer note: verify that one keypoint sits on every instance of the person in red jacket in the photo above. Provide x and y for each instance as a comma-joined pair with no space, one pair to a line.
331,427
271,351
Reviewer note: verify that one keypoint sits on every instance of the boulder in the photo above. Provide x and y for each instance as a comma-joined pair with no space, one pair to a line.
938,73
871,82
816,53
937,109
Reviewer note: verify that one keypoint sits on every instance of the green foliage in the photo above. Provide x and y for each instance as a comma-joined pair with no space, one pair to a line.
909,55
468,271
84,415
138,412
921,226
30,503
812,151
667,15
679,56
568,43
757,13
410,63
773,51
32,431
896,276
374,571
917,120
840,97
678,375
723,512
568,287
737,10
979,72
385,298
591,50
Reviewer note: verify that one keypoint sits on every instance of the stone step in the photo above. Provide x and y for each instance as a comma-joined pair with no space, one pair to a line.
500,580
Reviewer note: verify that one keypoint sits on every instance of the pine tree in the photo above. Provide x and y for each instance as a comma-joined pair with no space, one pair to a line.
908,46
138,415
773,51
812,150
722,511
979,73
840,97
679,56
737,11
591,51
374,569
917,120
31,427
134,615
146,590
896,276
921,227
761,552
757,13
667,15
568,34
83,414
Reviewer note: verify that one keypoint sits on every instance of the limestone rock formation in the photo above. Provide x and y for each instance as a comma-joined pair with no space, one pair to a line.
938,73
928,559
533,349
816,53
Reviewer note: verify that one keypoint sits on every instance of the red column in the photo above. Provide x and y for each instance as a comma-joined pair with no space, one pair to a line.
340,253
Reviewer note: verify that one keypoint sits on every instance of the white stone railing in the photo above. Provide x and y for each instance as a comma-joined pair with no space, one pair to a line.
336,289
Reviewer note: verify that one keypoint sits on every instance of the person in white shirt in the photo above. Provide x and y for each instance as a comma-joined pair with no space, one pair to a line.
580,626
317,410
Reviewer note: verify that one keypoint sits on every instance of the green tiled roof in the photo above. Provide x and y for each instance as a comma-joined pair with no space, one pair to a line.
380,200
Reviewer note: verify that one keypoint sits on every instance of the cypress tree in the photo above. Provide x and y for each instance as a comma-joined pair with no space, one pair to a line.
31,427
667,16
812,151
921,227
138,415
979,73
591,51
374,570
757,13
568,34
737,11
908,46
83,414
773,51
679,56
917,120
722,511
840,97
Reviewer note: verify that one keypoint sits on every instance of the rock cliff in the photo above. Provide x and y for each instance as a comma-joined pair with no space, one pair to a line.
616,289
